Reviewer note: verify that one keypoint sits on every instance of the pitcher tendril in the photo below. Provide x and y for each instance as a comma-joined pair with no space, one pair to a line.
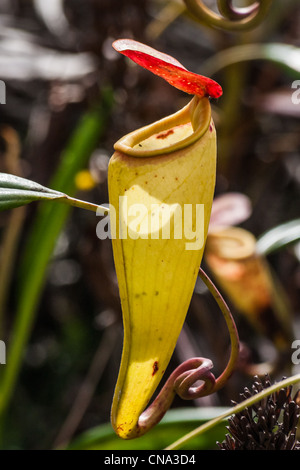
233,18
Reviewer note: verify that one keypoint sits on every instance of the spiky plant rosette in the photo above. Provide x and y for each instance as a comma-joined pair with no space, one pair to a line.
270,424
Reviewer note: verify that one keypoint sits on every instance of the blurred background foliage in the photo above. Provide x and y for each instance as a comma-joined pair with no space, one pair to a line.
69,97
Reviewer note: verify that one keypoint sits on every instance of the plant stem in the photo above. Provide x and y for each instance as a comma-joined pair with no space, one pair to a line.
85,205
233,333
236,409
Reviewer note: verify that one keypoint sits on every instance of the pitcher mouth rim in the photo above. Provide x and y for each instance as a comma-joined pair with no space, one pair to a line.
197,112
242,243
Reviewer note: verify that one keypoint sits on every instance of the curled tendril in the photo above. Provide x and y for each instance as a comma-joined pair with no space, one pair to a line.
229,11
182,381
233,18
199,369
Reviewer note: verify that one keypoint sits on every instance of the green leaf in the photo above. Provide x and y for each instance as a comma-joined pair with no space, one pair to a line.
284,55
173,426
279,237
16,192
16,182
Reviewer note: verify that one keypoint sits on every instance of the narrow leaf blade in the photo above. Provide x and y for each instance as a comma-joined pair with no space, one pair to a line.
16,192
16,182
279,237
